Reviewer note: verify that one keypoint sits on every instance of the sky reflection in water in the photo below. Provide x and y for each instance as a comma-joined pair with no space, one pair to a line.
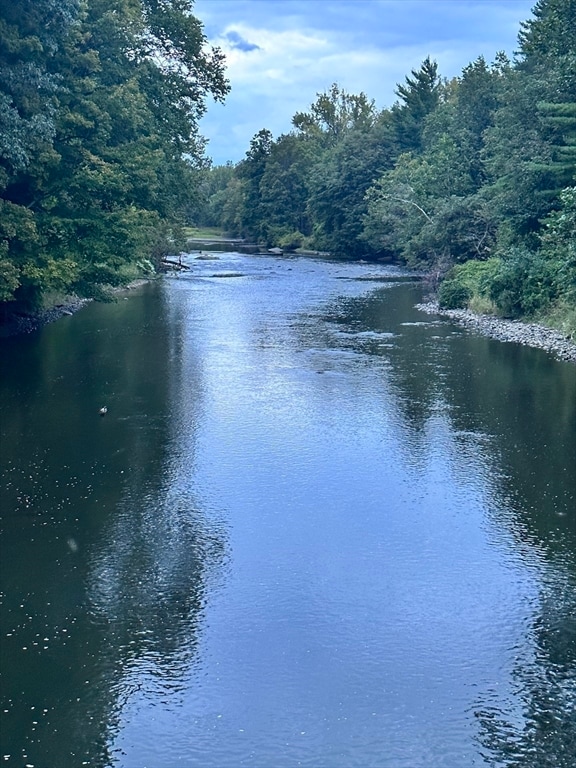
313,529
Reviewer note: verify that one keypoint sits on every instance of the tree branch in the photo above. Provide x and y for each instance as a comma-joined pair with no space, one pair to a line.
409,202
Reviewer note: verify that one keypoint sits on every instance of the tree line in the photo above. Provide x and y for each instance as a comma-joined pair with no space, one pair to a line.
100,155
101,162
472,179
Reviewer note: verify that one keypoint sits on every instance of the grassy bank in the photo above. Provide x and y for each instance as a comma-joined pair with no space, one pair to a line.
204,233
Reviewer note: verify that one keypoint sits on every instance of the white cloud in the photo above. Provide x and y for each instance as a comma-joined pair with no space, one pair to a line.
280,54
278,58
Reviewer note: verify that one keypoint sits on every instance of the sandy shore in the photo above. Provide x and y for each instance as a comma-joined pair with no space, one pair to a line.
530,334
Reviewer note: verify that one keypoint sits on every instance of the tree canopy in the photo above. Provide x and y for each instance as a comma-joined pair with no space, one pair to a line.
468,178
101,160
100,154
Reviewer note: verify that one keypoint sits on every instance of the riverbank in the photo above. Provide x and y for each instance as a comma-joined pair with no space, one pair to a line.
19,323
529,334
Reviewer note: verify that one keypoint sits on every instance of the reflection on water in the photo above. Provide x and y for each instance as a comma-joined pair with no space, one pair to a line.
315,528
106,551
538,727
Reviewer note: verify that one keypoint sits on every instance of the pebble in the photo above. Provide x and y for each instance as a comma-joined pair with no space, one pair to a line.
529,334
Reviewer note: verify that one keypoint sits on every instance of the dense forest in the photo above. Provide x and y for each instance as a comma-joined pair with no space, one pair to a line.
471,179
101,164
100,156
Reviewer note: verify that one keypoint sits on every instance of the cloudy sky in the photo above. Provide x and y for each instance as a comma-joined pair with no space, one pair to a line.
281,53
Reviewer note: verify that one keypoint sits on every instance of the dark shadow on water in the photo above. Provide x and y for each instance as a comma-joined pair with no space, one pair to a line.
520,404
540,731
110,553
107,553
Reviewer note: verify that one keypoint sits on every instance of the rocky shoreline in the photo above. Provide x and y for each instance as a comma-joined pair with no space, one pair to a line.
20,323
17,324
529,334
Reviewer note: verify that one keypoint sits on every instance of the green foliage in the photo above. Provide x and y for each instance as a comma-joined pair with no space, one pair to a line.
524,285
284,188
421,212
231,202
559,245
338,183
453,295
30,32
419,97
472,105
249,217
468,284
291,241
551,32
529,151
477,275
9,279
540,283
462,177
212,189
334,113
560,120
100,158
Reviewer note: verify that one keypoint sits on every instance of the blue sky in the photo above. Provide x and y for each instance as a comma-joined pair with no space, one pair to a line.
281,53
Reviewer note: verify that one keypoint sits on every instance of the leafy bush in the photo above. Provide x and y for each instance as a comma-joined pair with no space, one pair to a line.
467,283
453,295
9,280
291,241
525,284
477,275
559,244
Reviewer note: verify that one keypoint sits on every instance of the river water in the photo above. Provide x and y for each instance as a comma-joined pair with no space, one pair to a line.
315,528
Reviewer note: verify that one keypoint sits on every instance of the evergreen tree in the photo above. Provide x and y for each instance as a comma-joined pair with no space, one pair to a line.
419,96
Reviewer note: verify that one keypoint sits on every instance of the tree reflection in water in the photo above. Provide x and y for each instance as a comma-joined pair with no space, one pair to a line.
148,585
543,732
500,394
107,567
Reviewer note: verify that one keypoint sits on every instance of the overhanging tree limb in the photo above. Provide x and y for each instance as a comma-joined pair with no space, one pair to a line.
409,202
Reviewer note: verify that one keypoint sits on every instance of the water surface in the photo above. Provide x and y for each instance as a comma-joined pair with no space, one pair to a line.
315,528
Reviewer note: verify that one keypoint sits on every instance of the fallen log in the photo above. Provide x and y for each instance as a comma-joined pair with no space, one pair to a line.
177,264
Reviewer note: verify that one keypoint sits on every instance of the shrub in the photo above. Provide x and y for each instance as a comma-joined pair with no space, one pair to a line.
466,283
525,284
453,295
291,241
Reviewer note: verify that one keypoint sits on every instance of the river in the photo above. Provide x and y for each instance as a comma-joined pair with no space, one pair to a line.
316,527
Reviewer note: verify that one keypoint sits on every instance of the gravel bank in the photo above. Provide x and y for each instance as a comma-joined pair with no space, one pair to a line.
17,324
530,334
